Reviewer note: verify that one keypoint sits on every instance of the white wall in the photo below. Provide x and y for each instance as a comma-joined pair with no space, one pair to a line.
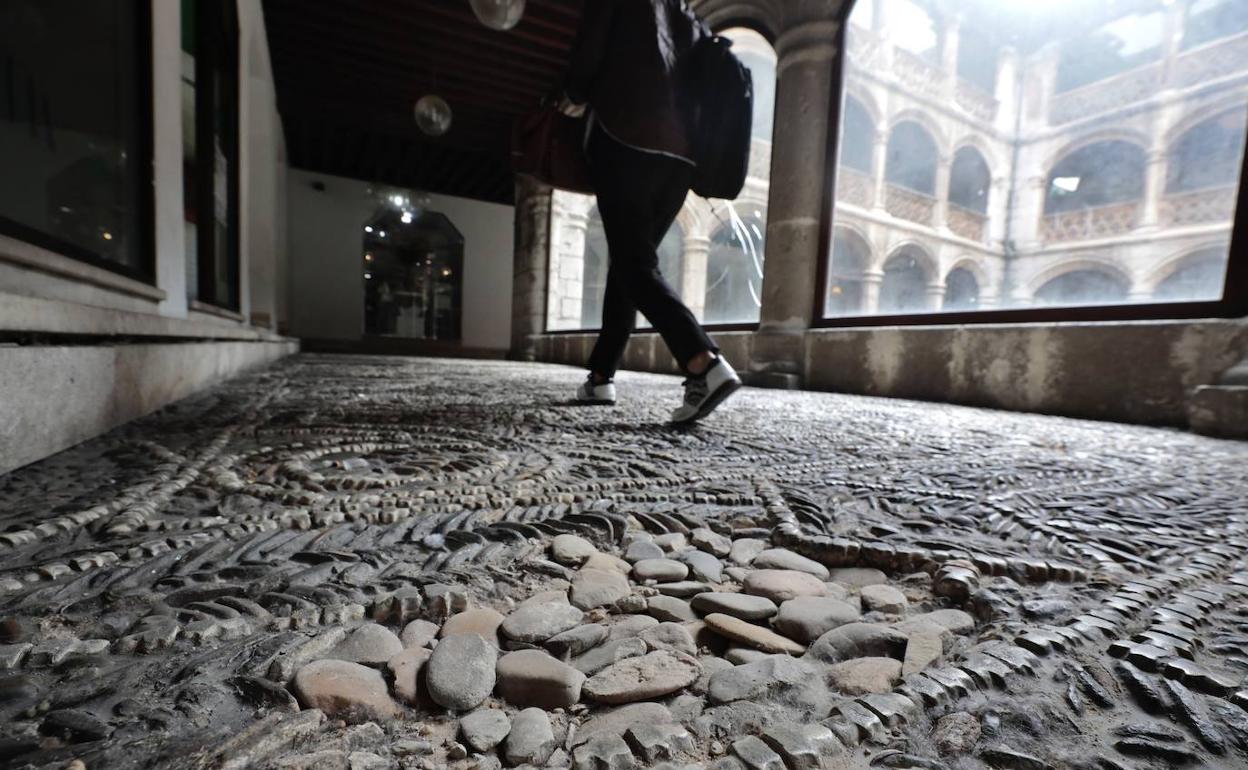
326,242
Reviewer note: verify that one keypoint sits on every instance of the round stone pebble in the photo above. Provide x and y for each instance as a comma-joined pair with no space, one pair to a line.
742,606
751,635
484,729
710,542
745,550
533,678
460,674
571,550
781,585
345,690
538,622
670,609
703,566
671,637
857,577
807,618
864,676
598,588
483,622
643,549
371,644
882,598
419,633
646,678
577,640
405,669
663,570
531,740
780,558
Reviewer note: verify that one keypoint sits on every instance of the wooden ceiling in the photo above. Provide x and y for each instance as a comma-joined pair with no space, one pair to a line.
349,73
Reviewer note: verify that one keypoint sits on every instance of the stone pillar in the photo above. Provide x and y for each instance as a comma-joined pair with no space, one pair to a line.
949,56
566,282
879,169
1007,93
693,282
944,171
1040,84
872,280
1172,40
1154,189
936,296
529,277
806,51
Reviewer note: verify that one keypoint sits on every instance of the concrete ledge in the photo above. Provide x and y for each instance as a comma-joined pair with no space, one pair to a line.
1220,410
52,398
37,315
1139,372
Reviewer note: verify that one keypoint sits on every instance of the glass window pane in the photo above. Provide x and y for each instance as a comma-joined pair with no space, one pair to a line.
712,256
71,129
1209,20
1070,182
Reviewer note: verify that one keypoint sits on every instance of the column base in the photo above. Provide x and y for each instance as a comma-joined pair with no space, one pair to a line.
1219,410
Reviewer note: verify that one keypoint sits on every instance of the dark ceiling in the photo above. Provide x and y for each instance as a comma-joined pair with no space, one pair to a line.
349,73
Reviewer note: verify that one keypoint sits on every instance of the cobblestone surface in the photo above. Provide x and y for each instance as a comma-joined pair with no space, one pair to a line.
1068,594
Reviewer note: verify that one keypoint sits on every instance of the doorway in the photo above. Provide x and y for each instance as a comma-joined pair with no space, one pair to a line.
413,276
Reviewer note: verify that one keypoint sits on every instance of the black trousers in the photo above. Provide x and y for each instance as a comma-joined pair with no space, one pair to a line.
639,196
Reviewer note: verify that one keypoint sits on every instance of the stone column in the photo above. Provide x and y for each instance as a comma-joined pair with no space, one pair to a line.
872,280
944,170
806,50
935,296
949,56
1172,40
1154,189
693,282
529,276
879,168
1007,91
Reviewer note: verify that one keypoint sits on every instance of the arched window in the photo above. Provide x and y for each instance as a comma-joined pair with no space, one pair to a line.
858,139
961,290
970,181
734,271
594,281
1100,174
1199,279
850,257
912,158
905,284
1208,155
1083,287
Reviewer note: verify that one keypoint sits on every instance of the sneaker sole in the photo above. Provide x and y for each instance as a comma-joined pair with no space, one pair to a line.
713,401
593,402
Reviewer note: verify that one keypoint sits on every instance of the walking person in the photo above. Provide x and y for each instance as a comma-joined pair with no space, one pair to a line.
625,72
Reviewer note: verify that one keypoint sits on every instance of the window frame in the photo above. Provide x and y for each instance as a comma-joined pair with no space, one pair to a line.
144,116
205,162
1232,305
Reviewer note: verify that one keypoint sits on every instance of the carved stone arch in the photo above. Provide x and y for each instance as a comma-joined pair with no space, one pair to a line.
1075,264
1137,138
974,266
1177,261
855,91
1224,103
695,217
922,253
985,150
763,16
923,119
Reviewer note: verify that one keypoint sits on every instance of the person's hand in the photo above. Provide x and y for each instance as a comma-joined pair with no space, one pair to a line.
570,108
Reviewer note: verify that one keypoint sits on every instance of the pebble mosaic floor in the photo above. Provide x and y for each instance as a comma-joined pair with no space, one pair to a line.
365,562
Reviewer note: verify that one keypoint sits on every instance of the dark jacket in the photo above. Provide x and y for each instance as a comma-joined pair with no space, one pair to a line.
626,66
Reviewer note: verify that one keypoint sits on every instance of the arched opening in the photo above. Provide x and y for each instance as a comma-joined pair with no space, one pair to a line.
413,275
912,158
1208,155
734,270
904,289
961,290
858,137
850,257
1199,278
1083,287
594,278
1100,174
970,181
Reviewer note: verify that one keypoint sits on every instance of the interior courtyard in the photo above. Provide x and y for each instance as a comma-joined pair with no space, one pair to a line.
293,474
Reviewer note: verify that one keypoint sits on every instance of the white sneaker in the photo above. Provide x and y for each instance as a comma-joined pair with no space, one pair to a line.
703,394
589,393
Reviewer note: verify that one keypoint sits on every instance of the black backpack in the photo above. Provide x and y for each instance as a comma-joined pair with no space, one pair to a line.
721,120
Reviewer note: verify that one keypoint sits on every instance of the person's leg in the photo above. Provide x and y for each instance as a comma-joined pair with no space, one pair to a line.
618,318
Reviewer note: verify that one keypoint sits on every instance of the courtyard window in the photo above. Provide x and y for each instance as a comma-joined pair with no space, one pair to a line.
75,130
1063,160
712,256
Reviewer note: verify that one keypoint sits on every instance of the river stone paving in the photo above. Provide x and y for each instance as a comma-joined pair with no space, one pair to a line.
301,569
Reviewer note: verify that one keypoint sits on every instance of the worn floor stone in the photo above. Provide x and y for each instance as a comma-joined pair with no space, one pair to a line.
162,587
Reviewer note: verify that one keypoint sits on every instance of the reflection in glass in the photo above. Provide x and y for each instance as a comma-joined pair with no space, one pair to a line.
734,272
413,277
71,129
1013,145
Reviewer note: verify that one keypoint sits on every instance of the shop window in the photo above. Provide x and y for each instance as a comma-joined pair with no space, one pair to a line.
210,125
75,130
